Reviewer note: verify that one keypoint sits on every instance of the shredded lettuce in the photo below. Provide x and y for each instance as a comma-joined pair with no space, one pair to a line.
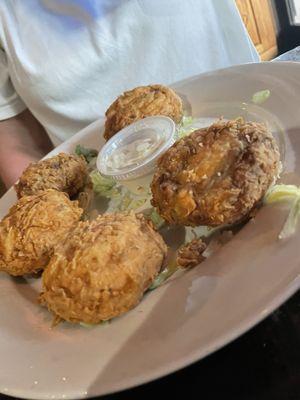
261,96
164,275
185,127
103,186
88,326
284,193
121,198
88,154
156,219
291,223
129,201
281,193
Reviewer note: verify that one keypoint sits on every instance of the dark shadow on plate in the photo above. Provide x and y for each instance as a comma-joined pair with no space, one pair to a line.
27,287
184,299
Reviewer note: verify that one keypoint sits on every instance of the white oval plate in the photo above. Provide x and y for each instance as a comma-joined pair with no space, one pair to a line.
188,318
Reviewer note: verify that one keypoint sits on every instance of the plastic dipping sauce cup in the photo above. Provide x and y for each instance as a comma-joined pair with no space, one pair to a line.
130,155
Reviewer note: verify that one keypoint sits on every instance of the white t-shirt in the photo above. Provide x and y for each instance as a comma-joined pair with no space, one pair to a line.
67,60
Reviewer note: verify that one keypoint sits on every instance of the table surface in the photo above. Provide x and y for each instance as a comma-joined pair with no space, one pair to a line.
263,364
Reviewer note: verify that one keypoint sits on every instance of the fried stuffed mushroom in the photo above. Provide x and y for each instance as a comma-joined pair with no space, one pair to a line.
63,172
103,268
32,228
141,102
216,175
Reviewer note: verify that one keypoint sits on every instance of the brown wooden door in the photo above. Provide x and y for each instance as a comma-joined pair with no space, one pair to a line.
259,21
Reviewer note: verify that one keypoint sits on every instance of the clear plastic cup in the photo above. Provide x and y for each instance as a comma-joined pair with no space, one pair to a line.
130,155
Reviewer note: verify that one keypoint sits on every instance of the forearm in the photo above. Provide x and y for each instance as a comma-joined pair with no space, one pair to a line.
22,140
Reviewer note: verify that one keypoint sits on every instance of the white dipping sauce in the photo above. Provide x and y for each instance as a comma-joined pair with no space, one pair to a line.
130,156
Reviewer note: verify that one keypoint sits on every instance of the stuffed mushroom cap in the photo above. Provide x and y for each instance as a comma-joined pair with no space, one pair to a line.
63,172
103,269
141,102
216,175
32,229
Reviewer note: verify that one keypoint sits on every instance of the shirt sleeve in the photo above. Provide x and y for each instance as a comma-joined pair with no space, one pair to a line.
10,103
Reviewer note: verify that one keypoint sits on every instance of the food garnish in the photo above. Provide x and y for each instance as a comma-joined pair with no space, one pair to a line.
286,193
261,96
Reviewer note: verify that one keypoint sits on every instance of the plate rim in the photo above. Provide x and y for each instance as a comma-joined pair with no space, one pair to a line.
215,345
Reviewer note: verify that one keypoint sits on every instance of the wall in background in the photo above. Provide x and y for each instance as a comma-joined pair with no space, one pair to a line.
259,20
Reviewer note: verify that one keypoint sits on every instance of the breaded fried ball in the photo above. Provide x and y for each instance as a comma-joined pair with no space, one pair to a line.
103,269
215,175
191,254
141,102
32,228
64,172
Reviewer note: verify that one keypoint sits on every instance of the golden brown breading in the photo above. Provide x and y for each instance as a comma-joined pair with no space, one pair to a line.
64,172
215,175
32,228
103,268
141,102
190,255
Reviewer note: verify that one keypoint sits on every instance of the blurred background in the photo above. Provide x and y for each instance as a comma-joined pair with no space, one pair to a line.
273,25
